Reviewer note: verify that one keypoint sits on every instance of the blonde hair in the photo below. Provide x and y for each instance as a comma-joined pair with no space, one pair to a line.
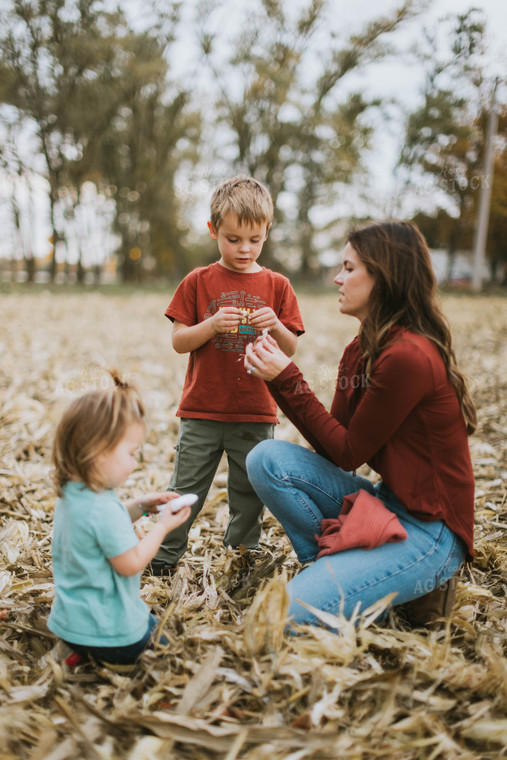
244,197
404,293
92,425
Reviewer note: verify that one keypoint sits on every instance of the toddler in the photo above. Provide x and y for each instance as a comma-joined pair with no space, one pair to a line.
97,557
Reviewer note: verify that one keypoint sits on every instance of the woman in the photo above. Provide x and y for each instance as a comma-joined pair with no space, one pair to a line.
401,405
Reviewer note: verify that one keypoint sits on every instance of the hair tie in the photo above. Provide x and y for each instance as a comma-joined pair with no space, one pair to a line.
119,383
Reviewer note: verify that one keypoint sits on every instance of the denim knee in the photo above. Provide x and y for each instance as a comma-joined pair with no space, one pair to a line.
257,459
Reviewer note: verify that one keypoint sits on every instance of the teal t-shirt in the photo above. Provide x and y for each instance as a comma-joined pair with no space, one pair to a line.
93,604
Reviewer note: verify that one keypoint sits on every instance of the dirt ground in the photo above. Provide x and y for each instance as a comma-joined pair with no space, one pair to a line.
231,684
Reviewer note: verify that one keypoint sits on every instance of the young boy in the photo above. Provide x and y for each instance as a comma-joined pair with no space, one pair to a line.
216,311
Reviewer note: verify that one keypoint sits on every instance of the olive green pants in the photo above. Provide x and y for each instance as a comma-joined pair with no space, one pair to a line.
199,449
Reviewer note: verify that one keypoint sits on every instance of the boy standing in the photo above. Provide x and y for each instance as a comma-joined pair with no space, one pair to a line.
216,311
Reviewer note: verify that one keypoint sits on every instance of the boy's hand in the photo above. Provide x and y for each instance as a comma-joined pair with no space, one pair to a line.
263,319
226,319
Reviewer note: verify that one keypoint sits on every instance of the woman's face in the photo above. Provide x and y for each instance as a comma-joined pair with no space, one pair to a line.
355,283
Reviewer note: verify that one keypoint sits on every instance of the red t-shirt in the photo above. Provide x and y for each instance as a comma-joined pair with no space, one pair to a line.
406,423
217,386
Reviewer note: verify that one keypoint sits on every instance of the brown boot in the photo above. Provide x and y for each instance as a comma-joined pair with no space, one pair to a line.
432,607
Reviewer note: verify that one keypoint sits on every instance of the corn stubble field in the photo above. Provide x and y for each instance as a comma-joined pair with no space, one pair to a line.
231,684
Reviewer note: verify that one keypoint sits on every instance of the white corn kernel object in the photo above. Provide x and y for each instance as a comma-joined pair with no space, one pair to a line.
181,501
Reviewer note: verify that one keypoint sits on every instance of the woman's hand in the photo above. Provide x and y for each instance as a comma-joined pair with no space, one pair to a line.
265,359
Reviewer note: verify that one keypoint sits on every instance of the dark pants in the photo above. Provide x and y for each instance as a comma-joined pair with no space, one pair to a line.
120,655
200,446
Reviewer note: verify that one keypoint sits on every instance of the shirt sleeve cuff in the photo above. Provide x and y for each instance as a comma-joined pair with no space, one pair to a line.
285,378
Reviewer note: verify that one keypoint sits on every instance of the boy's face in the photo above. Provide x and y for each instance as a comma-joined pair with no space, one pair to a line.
240,245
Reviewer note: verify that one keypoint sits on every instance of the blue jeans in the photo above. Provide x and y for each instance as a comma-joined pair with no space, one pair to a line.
120,655
301,488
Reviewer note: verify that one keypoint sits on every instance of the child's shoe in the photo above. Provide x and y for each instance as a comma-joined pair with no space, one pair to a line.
158,568
74,659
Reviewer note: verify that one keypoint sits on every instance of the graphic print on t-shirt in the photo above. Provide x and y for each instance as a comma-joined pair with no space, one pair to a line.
244,333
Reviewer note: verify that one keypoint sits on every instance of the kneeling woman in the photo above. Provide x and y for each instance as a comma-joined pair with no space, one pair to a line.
401,405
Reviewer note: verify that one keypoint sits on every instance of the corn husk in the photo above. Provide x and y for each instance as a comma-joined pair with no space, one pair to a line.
232,683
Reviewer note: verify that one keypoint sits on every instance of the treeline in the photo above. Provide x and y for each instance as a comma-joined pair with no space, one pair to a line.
90,98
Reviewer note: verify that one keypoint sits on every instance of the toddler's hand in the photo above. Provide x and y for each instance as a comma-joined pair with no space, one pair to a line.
153,501
227,319
170,521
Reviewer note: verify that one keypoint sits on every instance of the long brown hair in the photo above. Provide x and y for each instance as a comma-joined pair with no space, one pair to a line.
92,425
404,294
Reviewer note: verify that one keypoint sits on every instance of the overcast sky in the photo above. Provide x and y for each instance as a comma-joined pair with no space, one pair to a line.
345,17
397,78
400,77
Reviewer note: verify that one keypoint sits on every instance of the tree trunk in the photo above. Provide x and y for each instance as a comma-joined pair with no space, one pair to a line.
54,235
451,259
306,202
81,271
30,268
